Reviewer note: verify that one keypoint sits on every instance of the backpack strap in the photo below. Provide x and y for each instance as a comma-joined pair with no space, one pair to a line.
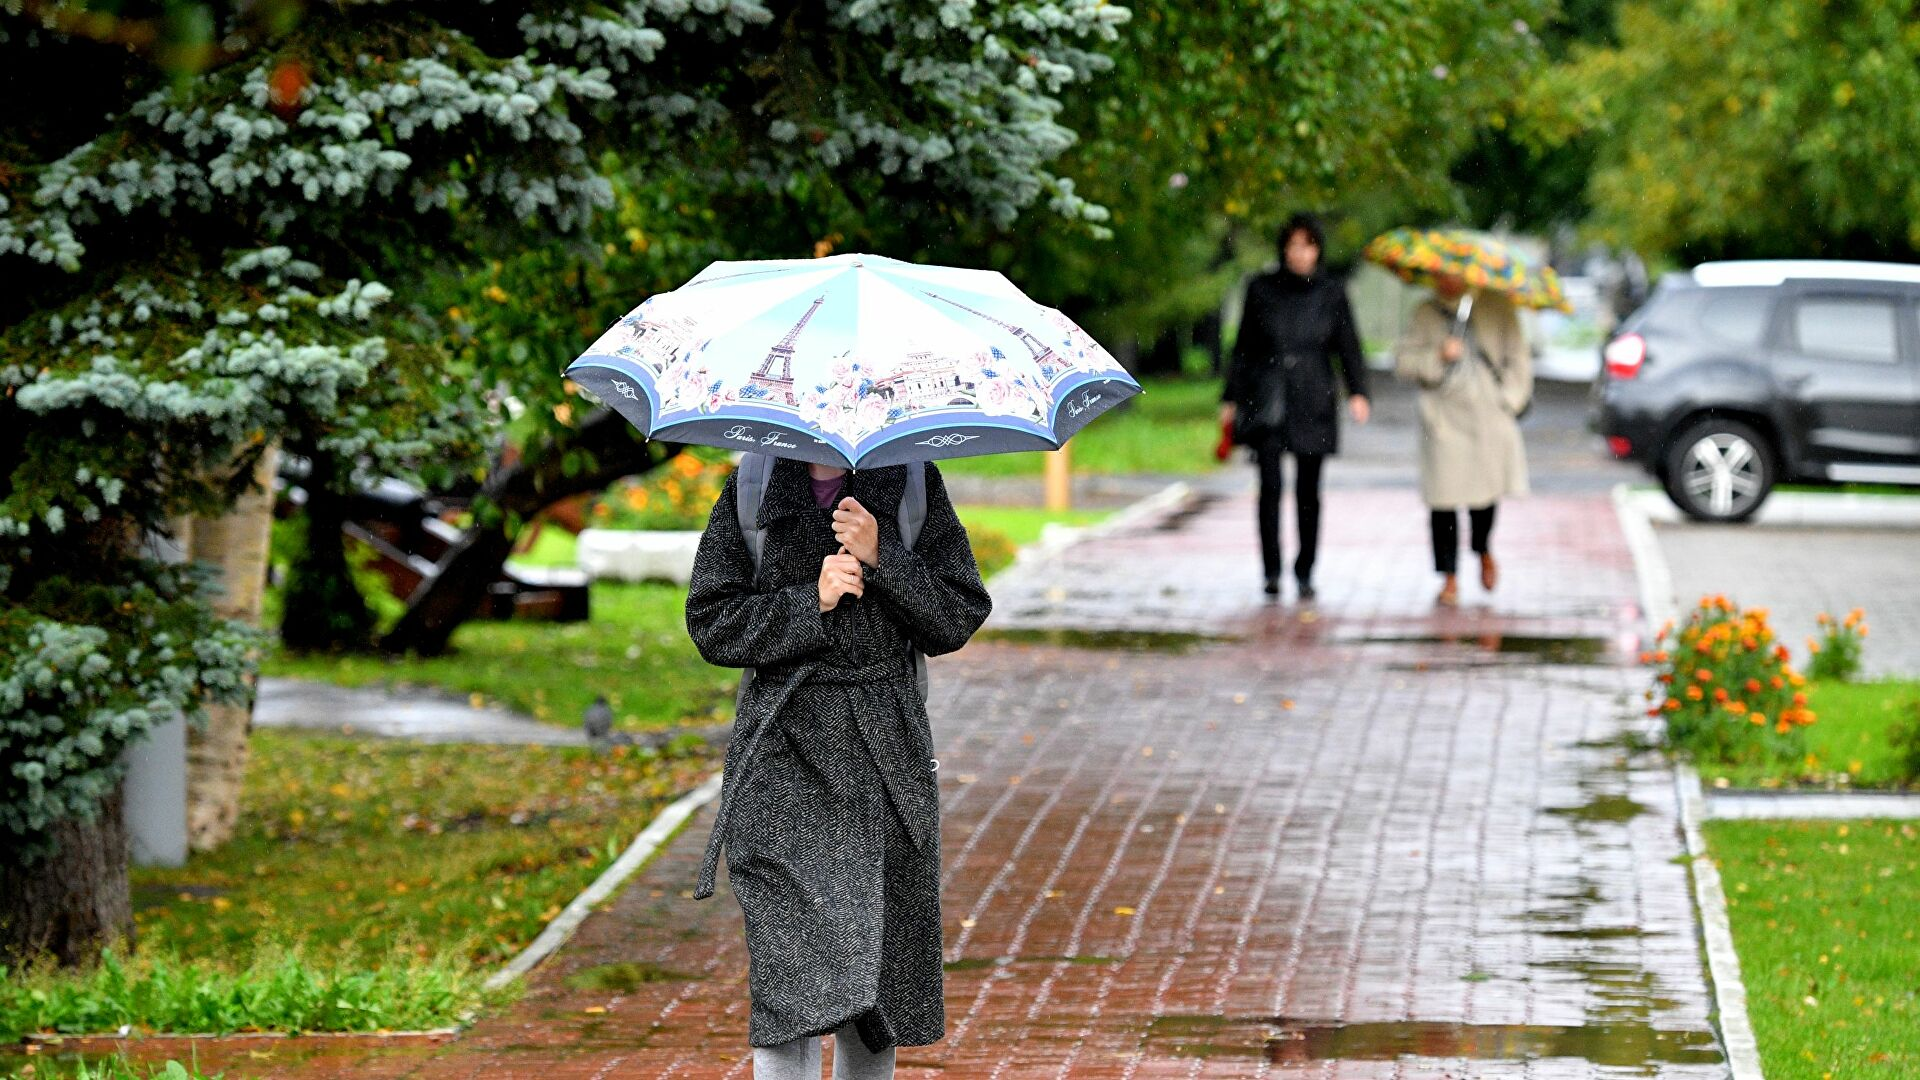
749,490
913,514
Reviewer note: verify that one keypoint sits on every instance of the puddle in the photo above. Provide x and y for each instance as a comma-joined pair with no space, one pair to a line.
1528,648
1178,519
1622,1044
1159,641
624,976
1611,808
1599,933
1613,1045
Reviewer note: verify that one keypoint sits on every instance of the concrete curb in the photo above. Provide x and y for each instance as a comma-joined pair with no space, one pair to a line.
1723,962
1710,901
1803,509
1056,540
1788,805
650,840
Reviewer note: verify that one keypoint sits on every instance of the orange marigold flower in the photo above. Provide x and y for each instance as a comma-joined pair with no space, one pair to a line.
1782,727
1753,686
1813,646
1672,705
1778,682
1737,708
1646,658
1703,675
1797,679
1758,718
1720,693
1660,657
1748,643
1694,694
1799,698
1667,679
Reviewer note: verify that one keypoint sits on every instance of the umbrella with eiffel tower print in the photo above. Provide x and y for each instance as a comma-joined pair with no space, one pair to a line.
852,360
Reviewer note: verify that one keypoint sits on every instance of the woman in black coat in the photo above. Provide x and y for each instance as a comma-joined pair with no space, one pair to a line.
1279,394
829,812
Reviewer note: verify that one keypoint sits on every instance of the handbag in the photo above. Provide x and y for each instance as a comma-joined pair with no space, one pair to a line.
1254,420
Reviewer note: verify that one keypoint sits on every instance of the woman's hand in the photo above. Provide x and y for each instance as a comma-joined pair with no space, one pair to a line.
857,531
1452,349
839,576
1360,408
1226,414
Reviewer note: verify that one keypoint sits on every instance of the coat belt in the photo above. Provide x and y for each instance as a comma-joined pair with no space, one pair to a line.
894,677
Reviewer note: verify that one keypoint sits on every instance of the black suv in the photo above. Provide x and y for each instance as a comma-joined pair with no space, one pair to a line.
1738,375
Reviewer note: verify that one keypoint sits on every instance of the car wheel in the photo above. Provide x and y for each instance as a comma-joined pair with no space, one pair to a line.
1719,470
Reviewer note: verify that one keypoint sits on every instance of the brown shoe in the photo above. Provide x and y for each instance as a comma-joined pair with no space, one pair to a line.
1489,572
1449,593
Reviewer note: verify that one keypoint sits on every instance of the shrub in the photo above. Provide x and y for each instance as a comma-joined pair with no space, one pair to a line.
1835,653
993,550
1726,689
1904,737
677,496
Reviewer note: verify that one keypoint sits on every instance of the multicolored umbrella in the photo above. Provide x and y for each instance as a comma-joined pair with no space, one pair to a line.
1485,264
852,360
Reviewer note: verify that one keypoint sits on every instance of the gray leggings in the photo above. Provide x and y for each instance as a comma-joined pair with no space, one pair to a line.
799,1059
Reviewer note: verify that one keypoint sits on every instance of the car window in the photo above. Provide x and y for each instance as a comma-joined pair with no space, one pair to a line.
1848,328
1737,315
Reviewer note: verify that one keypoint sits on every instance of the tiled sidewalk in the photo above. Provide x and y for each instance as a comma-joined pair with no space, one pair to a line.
1358,840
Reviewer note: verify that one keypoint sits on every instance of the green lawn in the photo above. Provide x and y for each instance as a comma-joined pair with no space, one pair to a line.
1849,738
371,883
635,650
1823,916
1170,428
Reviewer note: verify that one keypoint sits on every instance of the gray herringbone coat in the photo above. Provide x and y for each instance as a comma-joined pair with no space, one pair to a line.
830,813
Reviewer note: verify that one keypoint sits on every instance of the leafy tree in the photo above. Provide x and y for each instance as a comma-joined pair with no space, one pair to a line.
1222,117
1742,128
222,222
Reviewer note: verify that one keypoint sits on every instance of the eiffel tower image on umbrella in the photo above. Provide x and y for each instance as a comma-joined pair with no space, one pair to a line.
1042,352
782,385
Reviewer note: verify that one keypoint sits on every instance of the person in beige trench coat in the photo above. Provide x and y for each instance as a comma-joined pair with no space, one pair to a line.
1471,390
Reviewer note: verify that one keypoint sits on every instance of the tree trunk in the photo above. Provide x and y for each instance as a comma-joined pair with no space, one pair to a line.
74,902
217,756
323,610
520,490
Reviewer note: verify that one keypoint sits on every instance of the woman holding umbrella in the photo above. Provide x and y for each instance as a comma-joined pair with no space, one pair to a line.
1465,351
832,562
1297,340
1475,375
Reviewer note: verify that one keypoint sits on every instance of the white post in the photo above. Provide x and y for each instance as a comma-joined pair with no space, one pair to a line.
156,788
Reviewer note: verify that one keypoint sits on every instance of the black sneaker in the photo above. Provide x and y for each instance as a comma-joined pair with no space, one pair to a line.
1273,585
1306,590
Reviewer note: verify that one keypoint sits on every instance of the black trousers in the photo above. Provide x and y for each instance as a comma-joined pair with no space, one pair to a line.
1306,505
1446,536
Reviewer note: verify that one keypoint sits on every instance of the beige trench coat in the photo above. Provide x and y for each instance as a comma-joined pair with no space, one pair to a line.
1471,454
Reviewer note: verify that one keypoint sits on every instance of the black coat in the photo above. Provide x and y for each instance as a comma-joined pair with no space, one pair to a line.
830,812
1291,333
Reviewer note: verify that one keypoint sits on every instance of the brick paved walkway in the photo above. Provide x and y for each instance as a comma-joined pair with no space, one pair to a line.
1799,573
1330,843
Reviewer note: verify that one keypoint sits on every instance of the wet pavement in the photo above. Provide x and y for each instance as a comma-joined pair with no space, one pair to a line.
425,715
1190,833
